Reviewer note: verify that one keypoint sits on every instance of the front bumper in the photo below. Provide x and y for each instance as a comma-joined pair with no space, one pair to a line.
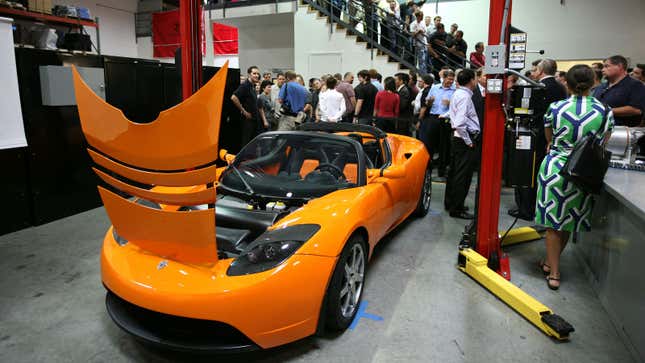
175,332
270,308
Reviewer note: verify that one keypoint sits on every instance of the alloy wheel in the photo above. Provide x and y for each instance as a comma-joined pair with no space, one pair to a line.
353,279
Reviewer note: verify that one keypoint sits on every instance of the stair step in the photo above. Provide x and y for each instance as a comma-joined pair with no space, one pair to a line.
377,55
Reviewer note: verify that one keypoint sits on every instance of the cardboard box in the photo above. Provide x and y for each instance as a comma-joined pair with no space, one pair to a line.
33,5
46,6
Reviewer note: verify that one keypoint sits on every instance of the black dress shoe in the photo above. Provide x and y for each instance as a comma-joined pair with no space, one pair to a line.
516,213
462,215
526,217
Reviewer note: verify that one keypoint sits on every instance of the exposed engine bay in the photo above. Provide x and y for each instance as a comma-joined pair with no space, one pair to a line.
239,222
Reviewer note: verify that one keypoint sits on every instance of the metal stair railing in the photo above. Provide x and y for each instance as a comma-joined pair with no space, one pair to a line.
380,30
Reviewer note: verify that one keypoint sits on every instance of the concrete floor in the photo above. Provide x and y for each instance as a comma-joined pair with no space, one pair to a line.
52,304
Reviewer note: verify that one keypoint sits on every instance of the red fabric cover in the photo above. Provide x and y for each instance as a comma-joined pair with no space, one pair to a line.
225,39
165,34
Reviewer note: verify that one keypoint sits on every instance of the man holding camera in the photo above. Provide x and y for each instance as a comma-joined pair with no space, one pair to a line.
291,103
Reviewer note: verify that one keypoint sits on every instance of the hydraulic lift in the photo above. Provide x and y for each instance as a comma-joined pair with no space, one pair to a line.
480,254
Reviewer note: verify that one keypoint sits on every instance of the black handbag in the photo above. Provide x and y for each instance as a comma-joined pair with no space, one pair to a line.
588,162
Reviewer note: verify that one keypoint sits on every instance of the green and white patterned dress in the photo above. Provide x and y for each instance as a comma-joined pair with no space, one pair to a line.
561,205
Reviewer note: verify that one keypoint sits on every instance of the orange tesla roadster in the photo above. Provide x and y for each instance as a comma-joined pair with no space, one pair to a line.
270,249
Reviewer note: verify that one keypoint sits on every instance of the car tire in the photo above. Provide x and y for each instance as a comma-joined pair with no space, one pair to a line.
425,196
346,286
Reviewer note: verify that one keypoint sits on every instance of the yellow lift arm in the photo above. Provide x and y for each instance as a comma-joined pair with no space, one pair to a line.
475,266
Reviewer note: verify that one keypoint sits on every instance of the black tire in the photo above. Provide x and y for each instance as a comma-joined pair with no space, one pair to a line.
425,196
338,314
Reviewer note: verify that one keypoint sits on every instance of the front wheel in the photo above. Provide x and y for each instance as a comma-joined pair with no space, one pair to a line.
423,205
346,287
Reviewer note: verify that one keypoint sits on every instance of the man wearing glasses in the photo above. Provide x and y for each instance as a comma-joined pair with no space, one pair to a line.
625,95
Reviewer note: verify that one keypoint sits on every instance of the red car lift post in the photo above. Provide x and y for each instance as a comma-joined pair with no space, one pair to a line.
492,153
486,264
190,17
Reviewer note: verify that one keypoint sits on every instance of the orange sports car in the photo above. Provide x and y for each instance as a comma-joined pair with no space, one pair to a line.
265,251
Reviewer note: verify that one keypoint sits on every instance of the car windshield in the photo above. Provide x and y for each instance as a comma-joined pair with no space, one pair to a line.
293,165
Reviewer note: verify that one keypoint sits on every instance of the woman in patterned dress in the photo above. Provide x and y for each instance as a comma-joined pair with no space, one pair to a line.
561,206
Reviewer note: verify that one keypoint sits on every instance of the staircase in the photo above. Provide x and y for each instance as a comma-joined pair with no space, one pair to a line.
372,35
324,47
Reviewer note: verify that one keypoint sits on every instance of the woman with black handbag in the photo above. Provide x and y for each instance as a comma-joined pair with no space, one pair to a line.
563,205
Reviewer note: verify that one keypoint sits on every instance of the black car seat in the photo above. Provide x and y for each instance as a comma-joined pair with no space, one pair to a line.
372,151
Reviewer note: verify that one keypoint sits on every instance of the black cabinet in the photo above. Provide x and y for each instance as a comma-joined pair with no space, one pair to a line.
52,178
59,181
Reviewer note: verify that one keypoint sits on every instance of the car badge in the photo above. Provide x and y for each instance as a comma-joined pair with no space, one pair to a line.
162,264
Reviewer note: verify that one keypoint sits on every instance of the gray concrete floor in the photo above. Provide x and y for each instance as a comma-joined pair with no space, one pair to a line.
52,304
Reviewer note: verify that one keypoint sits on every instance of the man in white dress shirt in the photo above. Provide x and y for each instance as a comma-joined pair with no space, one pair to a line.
331,104
465,123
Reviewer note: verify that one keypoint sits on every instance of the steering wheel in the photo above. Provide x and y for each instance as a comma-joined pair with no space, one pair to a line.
332,169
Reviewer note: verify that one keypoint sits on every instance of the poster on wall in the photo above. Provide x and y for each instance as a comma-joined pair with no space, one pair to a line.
165,34
12,132
517,54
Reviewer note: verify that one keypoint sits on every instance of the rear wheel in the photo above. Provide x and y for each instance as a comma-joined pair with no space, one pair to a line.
423,205
346,286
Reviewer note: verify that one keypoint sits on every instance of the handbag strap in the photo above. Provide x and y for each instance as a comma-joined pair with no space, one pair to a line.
603,123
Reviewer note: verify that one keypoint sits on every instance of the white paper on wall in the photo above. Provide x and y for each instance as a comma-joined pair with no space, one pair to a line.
12,132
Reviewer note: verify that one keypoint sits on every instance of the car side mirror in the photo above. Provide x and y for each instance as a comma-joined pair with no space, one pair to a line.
391,172
225,156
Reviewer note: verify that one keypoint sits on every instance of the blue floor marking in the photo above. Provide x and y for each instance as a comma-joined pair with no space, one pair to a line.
362,314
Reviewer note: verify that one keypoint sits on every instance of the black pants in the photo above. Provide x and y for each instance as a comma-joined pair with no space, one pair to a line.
439,139
249,130
525,197
460,175
399,125
424,135
386,124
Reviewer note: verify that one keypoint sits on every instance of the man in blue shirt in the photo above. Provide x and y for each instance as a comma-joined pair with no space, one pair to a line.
374,76
625,95
439,130
291,103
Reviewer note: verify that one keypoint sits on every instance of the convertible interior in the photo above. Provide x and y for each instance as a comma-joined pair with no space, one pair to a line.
302,165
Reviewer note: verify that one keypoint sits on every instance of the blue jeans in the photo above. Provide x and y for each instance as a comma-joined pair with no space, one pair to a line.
422,55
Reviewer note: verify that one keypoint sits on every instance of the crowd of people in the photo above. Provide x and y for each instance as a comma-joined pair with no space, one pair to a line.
446,114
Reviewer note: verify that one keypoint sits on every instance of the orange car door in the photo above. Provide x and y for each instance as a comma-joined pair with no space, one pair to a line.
397,187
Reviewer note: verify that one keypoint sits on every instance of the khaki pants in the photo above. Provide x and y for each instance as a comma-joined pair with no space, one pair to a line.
289,123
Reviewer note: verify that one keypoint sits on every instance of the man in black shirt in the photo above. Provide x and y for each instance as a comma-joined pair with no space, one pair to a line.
422,123
365,96
246,100
402,125
625,95
458,49
437,41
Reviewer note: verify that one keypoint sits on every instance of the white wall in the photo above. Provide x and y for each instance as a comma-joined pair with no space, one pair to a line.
266,41
317,52
579,29
116,23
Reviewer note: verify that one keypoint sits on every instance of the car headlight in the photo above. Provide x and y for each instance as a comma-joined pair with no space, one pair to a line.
271,249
